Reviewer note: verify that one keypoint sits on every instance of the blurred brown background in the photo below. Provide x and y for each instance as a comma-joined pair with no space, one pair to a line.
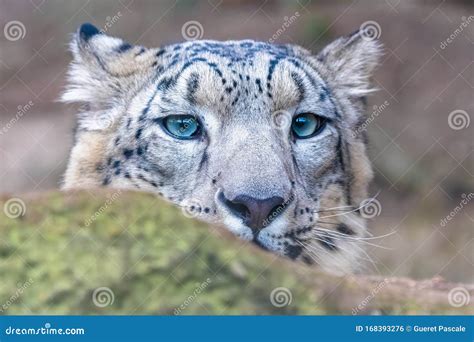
422,155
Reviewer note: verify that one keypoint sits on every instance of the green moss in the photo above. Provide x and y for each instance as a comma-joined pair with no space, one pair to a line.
151,256
154,260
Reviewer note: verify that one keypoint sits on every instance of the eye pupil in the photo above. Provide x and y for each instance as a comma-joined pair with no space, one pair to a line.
307,125
182,126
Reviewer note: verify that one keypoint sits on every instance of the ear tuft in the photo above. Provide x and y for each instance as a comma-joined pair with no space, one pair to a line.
87,31
104,72
351,60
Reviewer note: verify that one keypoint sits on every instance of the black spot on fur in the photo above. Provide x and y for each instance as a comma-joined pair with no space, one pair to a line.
124,47
138,133
106,181
344,229
259,84
127,153
293,251
192,86
159,53
299,85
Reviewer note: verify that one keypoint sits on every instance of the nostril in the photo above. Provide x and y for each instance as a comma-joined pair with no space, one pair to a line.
238,209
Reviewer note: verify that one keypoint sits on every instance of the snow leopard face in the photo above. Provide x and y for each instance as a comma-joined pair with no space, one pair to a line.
254,136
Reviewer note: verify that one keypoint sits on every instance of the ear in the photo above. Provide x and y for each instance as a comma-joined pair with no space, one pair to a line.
103,70
350,62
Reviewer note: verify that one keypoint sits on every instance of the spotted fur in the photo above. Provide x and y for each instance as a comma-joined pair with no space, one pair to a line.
235,88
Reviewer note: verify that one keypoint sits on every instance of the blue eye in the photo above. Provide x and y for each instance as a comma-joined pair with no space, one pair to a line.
307,125
182,126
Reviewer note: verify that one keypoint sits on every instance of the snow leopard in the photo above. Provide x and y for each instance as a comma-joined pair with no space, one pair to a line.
262,139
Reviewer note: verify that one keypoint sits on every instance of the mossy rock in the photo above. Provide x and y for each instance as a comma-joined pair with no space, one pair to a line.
131,253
